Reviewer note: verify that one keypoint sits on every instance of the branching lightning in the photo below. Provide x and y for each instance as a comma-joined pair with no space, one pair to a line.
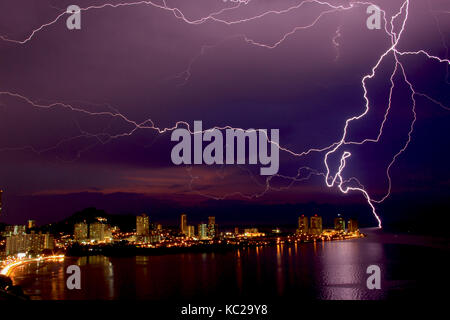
331,180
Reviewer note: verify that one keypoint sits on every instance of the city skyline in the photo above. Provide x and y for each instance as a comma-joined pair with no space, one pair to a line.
94,229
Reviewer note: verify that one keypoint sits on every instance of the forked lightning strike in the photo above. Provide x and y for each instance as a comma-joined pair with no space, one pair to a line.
335,180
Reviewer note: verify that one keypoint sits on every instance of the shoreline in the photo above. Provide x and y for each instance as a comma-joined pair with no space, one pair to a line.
133,250
6,270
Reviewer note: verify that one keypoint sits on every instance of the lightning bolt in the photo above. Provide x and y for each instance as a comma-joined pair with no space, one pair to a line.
336,180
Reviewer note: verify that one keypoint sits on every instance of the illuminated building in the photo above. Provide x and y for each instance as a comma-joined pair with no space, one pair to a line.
99,232
352,225
253,232
142,226
236,230
315,225
203,231
31,224
213,229
29,243
108,237
302,225
191,231
81,231
339,224
49,241
33,242
96,231
183,226
15,244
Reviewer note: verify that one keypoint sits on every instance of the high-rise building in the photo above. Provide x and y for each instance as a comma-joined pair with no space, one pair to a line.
108,235
98,231
34,242
142,225
81,232
15,244
315,227
190,231
236,230
352,225
302,225
183,225
339,224
203,231
29,243
213,229
143,229
31,224
49,241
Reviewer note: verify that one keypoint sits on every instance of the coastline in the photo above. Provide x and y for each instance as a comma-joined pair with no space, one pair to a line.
118,250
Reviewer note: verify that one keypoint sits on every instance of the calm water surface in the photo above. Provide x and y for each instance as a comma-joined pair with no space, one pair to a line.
412,267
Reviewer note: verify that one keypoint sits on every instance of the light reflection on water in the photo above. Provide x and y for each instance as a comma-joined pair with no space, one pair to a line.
325,270
343,271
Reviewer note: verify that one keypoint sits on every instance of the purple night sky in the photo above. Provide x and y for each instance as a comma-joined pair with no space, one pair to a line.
70,101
